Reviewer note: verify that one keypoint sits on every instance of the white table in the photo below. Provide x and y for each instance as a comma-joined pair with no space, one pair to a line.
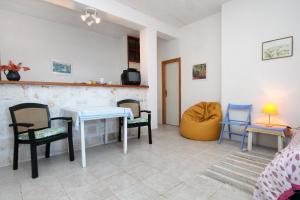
82,114
261,129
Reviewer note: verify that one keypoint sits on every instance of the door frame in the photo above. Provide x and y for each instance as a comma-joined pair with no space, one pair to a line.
164,64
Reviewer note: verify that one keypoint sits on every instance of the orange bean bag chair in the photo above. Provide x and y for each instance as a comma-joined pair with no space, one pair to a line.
202,122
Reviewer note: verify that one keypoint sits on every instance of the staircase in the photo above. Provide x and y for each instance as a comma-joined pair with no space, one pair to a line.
240,169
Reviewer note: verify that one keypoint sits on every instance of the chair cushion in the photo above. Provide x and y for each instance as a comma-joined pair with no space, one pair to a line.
138,120
44,133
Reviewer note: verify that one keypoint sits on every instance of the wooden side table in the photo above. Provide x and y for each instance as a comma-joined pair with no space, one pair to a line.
262,129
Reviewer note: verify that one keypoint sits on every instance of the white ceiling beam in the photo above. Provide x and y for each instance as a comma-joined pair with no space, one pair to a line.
126,16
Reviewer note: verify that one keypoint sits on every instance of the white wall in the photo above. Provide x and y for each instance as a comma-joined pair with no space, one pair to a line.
124,52
248,79
36,42
200,42
148,68
166,50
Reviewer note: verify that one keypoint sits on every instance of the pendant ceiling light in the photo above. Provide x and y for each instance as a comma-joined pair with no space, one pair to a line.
90,16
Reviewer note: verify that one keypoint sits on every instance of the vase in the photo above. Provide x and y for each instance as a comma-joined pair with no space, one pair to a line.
12,75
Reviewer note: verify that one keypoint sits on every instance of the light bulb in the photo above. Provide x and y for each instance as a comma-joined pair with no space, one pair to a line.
97,19
90,16
85,16
89,23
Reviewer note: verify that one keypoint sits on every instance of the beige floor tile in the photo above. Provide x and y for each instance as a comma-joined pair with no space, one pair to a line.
161,182
191,168
228,192
127,161
104,170
95,192
77,181
119,182
185,192
170,168
209,157
112,198
204,184
142,171
46,187
137,192
10,192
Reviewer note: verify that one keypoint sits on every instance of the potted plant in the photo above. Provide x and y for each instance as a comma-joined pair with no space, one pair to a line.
11,70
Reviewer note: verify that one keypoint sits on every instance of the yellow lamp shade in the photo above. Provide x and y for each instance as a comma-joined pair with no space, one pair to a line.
270,109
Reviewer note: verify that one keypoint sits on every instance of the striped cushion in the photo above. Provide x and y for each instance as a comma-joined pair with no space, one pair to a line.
44,133
138,120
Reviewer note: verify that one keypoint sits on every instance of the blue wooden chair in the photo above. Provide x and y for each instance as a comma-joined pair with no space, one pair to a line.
242,124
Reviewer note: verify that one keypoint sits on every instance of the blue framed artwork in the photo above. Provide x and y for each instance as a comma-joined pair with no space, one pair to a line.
61,68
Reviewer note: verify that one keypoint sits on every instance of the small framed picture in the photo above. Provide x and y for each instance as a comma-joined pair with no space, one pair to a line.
61,68
279,48
199,71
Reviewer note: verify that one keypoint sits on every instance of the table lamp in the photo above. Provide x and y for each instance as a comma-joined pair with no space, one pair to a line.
270,109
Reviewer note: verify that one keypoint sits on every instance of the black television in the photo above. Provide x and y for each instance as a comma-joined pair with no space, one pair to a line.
131,77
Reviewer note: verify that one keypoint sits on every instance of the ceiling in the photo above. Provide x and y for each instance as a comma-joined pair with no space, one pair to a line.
176,12
68,16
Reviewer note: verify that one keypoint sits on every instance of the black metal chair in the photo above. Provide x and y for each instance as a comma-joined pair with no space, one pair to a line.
31,124
138,120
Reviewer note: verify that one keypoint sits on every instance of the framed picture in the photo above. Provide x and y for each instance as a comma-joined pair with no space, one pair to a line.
61,68
279,48
199,71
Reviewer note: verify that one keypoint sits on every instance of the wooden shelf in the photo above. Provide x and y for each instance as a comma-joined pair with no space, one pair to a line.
133,49
3,82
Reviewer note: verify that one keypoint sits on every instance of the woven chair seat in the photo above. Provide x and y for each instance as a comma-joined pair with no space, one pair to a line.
138,120
44,133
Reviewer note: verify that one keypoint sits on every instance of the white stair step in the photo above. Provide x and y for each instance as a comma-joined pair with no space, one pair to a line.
230,181
251,180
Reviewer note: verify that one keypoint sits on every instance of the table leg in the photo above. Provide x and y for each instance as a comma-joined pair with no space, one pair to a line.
250,135
83,156
280,144
99,128
125,135
105,133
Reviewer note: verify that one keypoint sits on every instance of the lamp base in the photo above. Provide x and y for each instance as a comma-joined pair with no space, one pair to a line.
269,124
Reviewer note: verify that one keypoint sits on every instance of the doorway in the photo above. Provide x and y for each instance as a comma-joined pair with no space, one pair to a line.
171,92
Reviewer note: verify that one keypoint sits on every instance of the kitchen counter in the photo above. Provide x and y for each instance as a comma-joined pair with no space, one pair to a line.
69,84
58,96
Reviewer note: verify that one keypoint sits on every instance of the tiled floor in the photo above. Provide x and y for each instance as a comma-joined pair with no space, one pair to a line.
170,168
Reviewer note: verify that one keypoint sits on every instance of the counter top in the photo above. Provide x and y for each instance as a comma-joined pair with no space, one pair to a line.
69,84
